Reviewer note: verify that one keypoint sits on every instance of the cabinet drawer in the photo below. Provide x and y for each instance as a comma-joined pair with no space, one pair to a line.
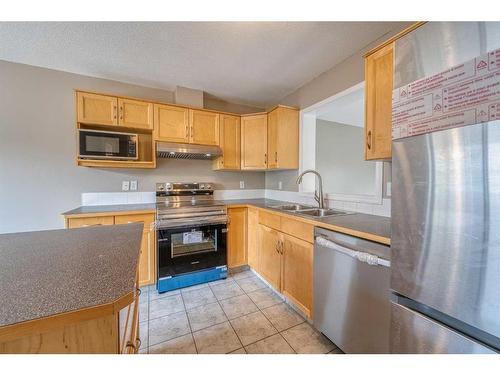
270,220
147,219
298,229
79,222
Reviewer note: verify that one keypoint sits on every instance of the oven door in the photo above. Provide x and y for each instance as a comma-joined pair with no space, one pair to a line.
191,248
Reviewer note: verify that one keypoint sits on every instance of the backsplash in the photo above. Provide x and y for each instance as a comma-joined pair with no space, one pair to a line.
110,198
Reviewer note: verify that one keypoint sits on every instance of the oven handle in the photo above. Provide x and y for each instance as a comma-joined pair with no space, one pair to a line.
173,224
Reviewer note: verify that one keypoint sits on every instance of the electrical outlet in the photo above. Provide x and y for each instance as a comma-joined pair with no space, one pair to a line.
388,189
242,184
133,185
125,185
280,185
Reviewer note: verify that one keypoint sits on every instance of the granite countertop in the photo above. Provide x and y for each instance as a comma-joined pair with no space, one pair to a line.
57,271
378,227
82,210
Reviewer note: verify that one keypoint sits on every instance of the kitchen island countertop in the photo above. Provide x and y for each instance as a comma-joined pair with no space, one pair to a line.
53,272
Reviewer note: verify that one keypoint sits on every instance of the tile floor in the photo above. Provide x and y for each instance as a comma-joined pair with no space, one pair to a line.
238,315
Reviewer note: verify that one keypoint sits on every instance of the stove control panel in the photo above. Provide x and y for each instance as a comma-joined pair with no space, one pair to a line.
183,187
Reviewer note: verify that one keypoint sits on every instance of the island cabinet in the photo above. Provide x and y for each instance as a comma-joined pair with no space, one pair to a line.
254,142
286,258
229,142
148,245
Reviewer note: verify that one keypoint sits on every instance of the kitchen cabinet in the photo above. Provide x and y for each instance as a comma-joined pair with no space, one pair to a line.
80,222
378,103
237,237
254,142
171,123
147,258
97,109
204,127
285,260
135,114
230,143
270,256
297,275
148,253
253,245
283,138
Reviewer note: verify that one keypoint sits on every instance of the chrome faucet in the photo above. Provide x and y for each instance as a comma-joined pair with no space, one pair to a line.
318,194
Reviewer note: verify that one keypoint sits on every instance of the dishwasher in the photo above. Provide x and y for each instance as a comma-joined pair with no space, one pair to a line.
351,292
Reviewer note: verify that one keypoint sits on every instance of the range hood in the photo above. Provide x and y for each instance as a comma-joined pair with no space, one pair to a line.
186,151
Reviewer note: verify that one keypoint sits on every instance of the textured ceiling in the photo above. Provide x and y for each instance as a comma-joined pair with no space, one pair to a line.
348,109
256,63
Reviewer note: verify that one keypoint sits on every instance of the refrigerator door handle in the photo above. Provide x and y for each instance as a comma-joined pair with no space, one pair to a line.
370,259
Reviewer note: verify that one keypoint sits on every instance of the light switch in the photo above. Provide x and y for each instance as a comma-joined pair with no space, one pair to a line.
280,185
242,184
133,185
125,185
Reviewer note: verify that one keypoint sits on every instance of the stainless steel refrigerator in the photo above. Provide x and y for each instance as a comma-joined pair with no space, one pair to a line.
445,241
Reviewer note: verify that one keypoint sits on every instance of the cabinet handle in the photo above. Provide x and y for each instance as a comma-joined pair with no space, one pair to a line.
130,345
276,156
114,111
121,113
187,131
281,247
265,158
369,140
192,132
277,247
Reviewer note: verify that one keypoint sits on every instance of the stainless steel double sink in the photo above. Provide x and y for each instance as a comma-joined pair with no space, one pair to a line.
309,211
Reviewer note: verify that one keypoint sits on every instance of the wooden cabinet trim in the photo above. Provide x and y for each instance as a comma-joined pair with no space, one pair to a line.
396,37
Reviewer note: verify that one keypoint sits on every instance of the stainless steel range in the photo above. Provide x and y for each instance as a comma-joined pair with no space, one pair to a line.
191,235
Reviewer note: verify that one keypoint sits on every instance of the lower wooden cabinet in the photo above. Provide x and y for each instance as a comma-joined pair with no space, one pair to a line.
148,246
286,262
270,256
237,237
253,245
297,278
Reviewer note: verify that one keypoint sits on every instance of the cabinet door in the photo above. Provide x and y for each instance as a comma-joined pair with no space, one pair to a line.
269,256
148,245
285,150
237,240
229,141
135,114
96,109
254,142
171,123
297,280
253,238
272,139
80,222
378,103
146,259
204,127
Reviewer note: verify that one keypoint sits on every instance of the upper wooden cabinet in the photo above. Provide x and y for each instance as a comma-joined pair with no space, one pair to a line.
135,114
171,123
230,142
378,103
204,127
283,138
97,109
254,142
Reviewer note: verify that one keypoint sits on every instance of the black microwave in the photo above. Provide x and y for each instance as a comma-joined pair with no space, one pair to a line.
97,144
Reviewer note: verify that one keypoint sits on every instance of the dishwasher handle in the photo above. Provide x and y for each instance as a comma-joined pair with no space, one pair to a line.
370,259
